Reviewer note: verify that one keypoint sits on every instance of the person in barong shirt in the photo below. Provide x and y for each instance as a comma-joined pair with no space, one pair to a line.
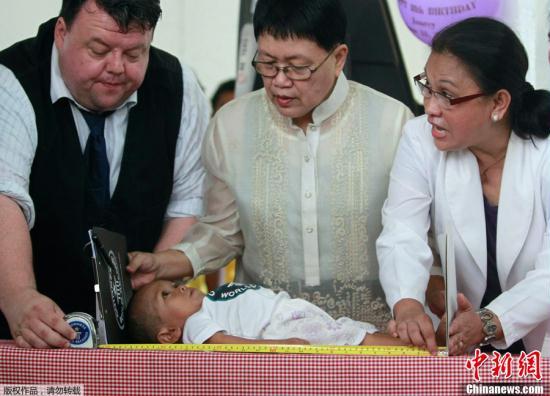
296,172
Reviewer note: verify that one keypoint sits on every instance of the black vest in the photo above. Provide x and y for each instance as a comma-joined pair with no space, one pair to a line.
61,266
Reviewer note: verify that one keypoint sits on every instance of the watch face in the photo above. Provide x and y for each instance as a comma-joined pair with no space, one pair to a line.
490,329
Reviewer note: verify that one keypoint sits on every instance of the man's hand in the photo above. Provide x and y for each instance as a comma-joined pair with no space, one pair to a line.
143,268
146,267
412,325
37,322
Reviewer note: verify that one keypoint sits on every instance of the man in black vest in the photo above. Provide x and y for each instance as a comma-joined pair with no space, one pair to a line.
97,128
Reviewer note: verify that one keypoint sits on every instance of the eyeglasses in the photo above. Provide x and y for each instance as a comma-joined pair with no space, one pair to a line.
444,99
297,73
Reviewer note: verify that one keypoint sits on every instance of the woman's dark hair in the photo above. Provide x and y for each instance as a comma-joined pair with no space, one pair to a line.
497,60
321,21
143,13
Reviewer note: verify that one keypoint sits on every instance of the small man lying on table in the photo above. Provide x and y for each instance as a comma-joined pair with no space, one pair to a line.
167,312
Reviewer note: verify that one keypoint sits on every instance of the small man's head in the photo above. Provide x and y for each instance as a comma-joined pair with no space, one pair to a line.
225,93
158,311
104,47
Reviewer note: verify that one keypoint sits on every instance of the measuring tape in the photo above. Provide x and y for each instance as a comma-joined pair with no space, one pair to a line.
268,348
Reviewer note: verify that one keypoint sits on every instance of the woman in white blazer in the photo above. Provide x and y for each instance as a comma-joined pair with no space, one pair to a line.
476,165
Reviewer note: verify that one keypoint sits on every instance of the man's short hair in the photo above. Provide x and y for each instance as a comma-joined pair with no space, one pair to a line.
321,21
126,13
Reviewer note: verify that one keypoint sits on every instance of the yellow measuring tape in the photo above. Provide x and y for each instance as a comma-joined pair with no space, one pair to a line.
268,348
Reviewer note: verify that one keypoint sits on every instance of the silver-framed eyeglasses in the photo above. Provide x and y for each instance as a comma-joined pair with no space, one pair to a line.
293,72
444,99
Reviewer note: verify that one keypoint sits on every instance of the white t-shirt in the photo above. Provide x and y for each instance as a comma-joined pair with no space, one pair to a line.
253,312
236,309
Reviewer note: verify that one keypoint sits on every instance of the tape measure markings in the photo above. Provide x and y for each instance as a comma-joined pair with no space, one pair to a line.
289,349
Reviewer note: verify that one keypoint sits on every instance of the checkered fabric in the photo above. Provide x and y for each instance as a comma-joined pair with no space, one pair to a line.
131,372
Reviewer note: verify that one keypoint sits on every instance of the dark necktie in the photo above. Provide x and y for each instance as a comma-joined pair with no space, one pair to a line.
97,175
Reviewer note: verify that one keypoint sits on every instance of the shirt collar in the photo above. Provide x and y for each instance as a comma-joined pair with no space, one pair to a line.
324,110
327,108
59,90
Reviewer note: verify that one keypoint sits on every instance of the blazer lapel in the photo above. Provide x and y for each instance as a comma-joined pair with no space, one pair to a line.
515,210
464,196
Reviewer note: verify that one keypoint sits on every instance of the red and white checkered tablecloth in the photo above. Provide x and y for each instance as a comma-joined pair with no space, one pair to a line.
131,372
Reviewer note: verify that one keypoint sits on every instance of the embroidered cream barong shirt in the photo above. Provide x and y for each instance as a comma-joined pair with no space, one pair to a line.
301,210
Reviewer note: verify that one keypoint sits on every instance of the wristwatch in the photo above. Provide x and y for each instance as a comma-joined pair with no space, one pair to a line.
488,326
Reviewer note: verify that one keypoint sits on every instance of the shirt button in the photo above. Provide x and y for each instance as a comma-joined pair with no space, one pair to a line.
306,158
309,230
313,128
308,195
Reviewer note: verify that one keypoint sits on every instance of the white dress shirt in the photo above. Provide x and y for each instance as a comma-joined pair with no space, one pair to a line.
18,140
442,190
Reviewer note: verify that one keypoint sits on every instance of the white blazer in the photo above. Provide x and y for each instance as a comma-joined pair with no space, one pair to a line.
431,188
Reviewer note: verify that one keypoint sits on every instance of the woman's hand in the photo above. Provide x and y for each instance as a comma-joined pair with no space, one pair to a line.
412,325
466,329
